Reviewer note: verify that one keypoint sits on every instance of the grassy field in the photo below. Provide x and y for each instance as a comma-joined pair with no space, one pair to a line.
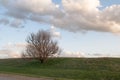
65,68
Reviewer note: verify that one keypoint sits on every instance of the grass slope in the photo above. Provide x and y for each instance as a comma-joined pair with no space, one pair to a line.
65,68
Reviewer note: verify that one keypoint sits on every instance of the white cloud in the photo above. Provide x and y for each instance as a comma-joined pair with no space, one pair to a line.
6,53
4,21
80,5
16,23
55,33
33,7
86,15
12,50
72,15
71,54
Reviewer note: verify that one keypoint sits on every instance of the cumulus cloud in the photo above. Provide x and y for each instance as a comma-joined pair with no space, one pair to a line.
71,15
80,5
34,10
86,15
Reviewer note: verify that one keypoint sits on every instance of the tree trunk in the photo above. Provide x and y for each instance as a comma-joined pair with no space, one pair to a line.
42,60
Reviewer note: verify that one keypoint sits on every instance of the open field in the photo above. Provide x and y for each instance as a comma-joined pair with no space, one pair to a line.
65,68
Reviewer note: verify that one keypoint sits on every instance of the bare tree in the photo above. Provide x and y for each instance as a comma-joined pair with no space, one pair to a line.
41,46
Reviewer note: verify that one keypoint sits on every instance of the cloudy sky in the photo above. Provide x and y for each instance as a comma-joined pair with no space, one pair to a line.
84,28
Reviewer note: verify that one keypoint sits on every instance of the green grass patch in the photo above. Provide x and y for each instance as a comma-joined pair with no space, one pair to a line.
65,68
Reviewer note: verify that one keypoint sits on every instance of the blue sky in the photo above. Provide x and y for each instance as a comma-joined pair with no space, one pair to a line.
83,28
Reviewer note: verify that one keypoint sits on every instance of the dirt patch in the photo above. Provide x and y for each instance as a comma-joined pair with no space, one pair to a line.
17,77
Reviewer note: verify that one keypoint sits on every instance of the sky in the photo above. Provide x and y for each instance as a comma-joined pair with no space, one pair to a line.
83,28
